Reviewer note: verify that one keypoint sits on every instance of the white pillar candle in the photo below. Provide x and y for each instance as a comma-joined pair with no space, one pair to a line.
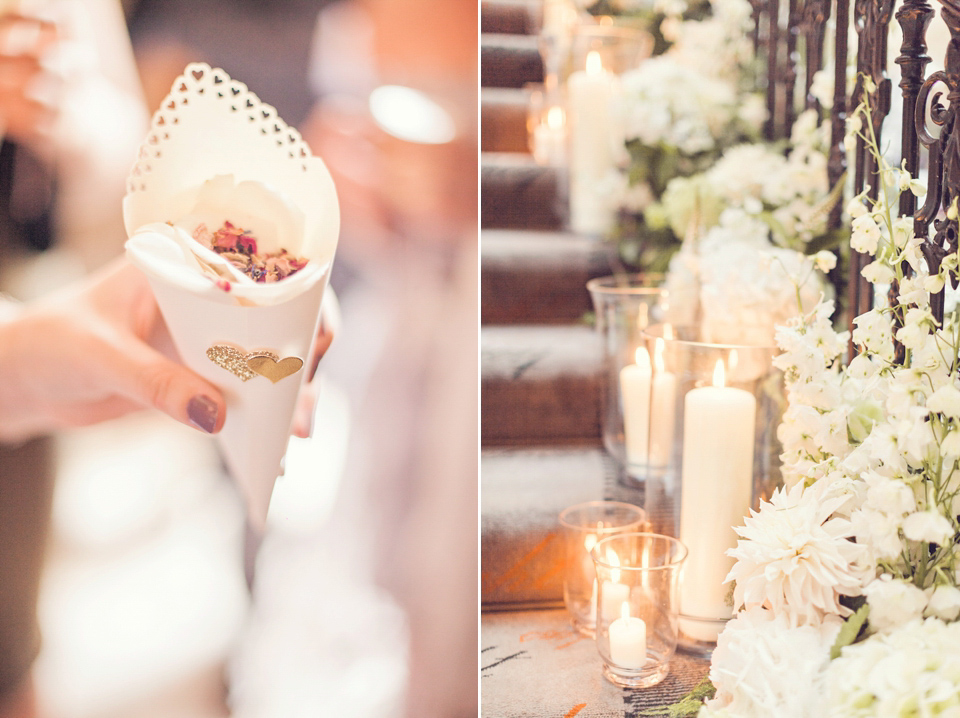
628,640
647,398
715,494
635,399
590,93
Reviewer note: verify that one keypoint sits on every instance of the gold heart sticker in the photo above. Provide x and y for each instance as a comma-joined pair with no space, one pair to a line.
271,366
247,365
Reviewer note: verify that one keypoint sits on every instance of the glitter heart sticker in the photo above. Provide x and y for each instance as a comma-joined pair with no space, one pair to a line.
232,359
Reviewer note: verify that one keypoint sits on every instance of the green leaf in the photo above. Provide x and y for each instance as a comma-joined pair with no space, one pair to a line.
850,630
689,705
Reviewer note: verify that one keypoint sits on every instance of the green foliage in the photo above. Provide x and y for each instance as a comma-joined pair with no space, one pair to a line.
689,705
850,630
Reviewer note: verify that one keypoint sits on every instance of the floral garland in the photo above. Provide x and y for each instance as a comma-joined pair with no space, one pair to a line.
681,109
846,581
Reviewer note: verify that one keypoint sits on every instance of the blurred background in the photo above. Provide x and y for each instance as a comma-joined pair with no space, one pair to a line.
155,600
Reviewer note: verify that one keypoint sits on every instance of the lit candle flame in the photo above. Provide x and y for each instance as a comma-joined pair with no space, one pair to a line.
625,611
594,63
718,374
613,560
555,118
643,358
589,542
658,348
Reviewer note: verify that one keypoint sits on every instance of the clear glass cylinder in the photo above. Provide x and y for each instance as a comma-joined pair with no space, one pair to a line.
713,413
625,305
638,606
599,54
583,525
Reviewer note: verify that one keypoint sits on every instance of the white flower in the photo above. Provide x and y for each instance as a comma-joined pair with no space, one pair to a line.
825,260
928,526
893,602
865,234
762,666
945,400
913,671
794,558
944,603
878,272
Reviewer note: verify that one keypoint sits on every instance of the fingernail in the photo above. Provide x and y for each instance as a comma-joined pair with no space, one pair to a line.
202,411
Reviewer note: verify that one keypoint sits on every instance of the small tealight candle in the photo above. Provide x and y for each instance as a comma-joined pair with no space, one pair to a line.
614,592
628,640
550,138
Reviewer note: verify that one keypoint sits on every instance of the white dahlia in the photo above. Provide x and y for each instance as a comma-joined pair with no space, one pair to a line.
795,559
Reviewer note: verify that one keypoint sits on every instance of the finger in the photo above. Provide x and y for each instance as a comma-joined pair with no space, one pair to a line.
304,414
144,375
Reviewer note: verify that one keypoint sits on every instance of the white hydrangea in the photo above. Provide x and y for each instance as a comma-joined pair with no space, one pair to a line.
893,602
763,666
912,671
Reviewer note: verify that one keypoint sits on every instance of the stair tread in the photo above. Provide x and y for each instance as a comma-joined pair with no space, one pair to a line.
517,193
503,119
522,493
509,60
509,16
537,353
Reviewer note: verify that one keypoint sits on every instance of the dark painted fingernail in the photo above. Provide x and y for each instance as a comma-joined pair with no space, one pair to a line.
202,411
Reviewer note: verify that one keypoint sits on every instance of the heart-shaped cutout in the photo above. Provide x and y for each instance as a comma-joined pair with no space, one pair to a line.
267,365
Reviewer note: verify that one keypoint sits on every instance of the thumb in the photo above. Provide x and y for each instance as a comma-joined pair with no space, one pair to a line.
149,378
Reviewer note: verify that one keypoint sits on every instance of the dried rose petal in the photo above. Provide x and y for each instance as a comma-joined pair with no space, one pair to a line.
239,247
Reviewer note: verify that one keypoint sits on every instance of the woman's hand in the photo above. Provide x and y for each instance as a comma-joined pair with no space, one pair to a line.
92,353
28,88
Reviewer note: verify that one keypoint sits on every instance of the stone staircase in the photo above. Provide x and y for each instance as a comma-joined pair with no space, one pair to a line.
540,359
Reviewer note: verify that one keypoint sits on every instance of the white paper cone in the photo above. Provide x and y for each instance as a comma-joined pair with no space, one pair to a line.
212,139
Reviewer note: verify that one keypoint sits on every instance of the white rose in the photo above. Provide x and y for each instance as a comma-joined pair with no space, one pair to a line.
928,526
893,602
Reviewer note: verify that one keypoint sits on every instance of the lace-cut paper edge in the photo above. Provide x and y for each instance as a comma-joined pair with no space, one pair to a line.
199,79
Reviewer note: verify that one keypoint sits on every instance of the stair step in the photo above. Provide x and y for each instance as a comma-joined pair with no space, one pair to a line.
514,17
540,385
517,193
538,277
522,493
509,60
503,119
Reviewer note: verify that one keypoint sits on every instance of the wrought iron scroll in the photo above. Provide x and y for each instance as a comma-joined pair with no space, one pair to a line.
943,177
872,21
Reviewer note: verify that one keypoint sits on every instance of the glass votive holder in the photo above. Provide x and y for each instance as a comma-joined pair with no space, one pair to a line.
638,578
713,414
547,126
598,55
624,306
583,525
